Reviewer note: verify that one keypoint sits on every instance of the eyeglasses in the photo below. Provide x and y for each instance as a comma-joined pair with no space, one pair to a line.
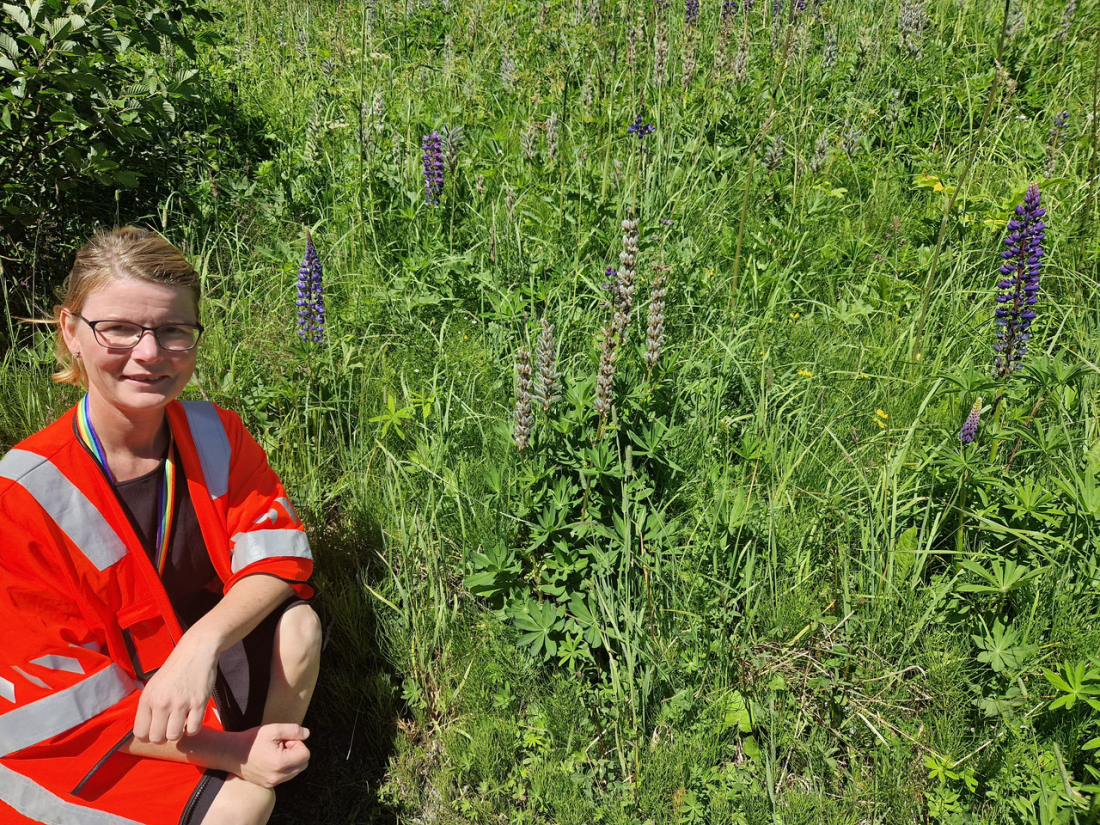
124,335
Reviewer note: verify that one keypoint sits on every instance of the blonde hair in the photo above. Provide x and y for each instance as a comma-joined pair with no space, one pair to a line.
127,253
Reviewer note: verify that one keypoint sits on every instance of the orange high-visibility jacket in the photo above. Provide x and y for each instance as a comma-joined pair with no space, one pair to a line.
84,618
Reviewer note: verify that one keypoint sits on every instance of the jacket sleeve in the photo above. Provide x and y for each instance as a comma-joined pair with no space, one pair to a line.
63,699
265,534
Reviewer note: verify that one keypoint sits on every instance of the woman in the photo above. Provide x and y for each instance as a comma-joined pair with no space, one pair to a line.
158,657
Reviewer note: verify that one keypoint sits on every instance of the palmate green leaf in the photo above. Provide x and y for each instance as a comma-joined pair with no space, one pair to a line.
1002,578
537,620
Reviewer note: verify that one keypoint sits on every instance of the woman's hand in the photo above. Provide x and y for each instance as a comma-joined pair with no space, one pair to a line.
268,755
173,703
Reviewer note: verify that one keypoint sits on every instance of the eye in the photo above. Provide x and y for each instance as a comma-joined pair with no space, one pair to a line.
117,327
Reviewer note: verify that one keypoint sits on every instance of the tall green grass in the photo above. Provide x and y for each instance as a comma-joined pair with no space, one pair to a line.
827,630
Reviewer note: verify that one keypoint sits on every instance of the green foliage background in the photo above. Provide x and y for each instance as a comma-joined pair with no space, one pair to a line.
771,585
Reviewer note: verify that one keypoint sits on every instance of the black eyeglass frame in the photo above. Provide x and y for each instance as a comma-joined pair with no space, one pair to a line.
155,330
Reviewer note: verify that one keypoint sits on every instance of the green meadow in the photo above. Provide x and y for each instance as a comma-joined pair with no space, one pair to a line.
694,540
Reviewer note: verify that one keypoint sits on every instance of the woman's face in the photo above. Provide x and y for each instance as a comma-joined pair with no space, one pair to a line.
144,379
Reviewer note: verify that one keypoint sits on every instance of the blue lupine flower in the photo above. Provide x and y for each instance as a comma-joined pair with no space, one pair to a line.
1020,284
641,129
691,12
433,166
969,429
729,9
311,300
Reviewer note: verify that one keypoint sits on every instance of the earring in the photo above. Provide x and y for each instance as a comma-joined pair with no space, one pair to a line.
77,354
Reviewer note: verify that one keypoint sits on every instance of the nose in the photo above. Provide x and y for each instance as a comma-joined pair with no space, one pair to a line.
147,348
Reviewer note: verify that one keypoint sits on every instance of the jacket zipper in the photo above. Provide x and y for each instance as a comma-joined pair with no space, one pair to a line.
196,795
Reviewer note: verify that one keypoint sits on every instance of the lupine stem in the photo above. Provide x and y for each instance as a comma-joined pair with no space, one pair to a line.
930,280
1094,152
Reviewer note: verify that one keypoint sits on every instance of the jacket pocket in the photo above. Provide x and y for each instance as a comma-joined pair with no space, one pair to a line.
148,639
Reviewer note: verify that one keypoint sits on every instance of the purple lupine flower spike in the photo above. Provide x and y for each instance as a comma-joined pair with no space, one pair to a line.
433,167
691,12
1020,285
310,298
642,130
729,9
969,429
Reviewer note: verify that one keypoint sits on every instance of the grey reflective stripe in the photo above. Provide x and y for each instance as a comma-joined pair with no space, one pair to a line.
35,802
267,544
212,444
66,505
64,710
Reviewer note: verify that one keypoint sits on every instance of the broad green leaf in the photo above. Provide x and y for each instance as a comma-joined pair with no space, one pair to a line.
19,16
9,45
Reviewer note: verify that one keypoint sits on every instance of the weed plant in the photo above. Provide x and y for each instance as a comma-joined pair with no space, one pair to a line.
715,552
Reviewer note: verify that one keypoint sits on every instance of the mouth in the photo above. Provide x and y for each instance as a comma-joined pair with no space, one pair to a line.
145,380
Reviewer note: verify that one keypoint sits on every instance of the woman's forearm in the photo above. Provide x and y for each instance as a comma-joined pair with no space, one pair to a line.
266,756
247,603
209,748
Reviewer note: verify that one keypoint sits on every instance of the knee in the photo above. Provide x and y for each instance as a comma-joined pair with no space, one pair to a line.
299,636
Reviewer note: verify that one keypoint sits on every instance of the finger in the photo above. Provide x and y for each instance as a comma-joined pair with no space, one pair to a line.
173,728
287,731
194,721
141,721
158,722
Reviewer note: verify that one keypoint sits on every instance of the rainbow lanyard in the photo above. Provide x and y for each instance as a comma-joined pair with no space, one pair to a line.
166,500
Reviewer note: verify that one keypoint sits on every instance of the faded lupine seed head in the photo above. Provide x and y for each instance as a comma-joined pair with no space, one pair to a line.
721,47
618,170
1020,284
510,202
1067,20
594,13
448,53
969,429
660,53
433,167
547,378
828,59
655,323
1055,137
524,416
893,108
741,61
397,147
774,154
479,185
1015,23
378,109
688,62
529,141
912,21
586,93
605,376
507,69
451,141
850,139
634,34
310,299
552,137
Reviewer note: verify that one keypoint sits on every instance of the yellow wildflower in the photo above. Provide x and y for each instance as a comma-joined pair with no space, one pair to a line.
881,414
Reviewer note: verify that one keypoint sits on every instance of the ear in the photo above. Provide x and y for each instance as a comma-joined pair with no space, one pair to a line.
68,323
